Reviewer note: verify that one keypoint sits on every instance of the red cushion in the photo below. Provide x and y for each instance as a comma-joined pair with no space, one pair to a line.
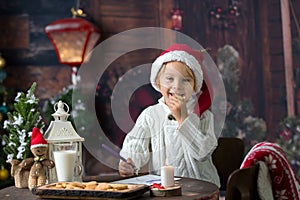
284,180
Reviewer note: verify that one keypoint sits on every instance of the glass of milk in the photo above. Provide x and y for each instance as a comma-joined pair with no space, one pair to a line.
64,157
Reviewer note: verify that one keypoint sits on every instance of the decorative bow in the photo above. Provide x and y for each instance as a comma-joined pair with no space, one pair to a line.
157,185
39,158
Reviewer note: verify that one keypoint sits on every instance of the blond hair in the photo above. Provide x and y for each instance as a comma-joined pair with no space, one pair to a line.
188,69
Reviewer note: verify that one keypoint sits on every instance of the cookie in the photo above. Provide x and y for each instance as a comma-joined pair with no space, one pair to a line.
91,183
70,187
119,186
59,185
102,186
77,184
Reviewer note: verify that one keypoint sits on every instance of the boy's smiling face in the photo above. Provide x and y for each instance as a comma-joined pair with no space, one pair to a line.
175,80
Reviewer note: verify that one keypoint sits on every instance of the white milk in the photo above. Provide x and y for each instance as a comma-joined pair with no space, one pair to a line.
65,164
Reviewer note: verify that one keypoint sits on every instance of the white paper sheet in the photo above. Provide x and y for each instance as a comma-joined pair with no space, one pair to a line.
146,180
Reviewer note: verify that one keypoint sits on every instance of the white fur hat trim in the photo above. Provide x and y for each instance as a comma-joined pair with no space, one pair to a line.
38,145
181,56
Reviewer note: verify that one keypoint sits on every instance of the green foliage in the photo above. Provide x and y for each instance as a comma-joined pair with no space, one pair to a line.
289,140
20,123
65,96
240,121
228,65
297,79
296,46
79,111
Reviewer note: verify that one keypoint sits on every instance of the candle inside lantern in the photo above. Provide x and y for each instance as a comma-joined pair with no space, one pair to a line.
167,176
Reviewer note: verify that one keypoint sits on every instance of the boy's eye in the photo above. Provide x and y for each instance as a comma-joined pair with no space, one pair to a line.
169,78
187,80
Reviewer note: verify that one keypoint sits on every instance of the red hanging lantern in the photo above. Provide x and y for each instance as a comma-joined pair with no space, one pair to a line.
73,39
176,19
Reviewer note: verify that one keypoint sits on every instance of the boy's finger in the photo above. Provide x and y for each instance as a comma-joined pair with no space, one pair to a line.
181,98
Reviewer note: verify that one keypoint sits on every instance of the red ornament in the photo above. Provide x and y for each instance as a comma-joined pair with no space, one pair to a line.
176,19
232,11
286,135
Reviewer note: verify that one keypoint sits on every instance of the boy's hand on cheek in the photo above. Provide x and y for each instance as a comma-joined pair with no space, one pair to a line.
178,108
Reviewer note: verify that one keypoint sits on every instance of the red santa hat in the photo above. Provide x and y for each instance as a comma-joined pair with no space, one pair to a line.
182,53
37,139
193,59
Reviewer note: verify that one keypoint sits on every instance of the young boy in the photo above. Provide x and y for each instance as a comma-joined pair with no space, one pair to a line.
169,132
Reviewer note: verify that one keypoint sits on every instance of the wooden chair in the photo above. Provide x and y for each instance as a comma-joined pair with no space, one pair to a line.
242,184
227,157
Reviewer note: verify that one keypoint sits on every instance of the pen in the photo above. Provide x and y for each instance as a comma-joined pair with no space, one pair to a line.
117,155
113,152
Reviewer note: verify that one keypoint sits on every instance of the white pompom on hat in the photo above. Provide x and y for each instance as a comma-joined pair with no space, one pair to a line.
182,53
37,139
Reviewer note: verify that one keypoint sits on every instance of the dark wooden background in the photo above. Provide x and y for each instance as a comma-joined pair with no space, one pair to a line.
257,37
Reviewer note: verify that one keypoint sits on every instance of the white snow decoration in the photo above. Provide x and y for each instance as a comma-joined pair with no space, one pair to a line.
74,113
6,123
18,96
21,150
20,155
22,138
18,120
23,143
29,134
12,144
30,101
31,98
10,157
80,106
20,132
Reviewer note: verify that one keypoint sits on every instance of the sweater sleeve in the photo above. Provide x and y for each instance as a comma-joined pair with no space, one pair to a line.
136,143
198,135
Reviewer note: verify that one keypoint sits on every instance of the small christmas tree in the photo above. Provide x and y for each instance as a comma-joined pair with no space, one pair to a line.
240,121
20,123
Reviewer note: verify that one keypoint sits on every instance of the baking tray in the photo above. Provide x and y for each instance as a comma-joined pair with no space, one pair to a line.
48,192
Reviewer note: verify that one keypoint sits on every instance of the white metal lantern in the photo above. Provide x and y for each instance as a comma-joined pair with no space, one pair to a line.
61,131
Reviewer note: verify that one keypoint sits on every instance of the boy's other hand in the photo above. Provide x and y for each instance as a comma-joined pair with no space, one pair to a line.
126,169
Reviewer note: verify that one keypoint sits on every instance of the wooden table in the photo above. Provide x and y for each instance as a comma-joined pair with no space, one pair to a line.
191,189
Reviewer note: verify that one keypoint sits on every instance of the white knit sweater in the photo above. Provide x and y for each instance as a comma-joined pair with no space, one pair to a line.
187,147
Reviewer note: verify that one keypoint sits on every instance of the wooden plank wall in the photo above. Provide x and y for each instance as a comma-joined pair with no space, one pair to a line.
27,49
257,37
112,17
29,53
275,98
245,38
